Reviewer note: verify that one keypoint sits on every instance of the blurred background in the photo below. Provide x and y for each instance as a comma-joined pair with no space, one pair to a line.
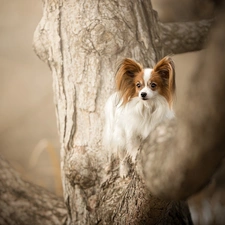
28,132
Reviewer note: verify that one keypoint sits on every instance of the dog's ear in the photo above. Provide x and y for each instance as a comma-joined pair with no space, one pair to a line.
128,67
166,69
126,72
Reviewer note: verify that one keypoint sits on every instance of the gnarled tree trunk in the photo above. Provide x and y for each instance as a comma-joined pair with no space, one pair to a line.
82,41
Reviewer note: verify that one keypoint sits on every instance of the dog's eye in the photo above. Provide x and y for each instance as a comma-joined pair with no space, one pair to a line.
153,85
138,85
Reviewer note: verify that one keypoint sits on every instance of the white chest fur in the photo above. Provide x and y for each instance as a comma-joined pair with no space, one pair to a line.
127,125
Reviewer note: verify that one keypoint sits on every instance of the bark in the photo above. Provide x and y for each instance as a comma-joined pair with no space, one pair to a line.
184,37
191,152
82,41
24,203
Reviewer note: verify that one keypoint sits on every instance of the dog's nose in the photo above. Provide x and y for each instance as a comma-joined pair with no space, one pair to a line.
143,94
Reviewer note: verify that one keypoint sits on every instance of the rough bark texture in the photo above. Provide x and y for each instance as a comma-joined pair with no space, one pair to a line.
23,203
82,41
184,36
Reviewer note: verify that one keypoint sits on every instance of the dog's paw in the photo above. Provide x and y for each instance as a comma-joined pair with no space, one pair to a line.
124,169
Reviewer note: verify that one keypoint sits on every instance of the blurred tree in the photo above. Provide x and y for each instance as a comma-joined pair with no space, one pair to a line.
82,41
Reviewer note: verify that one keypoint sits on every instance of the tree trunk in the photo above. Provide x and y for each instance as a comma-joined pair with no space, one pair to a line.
82,41
23,203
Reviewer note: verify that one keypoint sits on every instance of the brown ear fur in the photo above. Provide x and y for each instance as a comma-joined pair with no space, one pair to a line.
127,71
166,69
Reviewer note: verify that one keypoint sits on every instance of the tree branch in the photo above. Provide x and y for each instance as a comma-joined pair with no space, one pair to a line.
184,36
24,203
188,156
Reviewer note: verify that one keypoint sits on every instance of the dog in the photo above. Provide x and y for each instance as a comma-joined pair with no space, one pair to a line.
143,99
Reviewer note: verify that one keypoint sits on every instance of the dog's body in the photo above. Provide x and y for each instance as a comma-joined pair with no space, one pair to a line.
143,100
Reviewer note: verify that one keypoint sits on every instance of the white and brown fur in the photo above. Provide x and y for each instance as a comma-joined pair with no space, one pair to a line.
143,99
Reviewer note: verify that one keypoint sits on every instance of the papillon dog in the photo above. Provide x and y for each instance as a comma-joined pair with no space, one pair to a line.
143,99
